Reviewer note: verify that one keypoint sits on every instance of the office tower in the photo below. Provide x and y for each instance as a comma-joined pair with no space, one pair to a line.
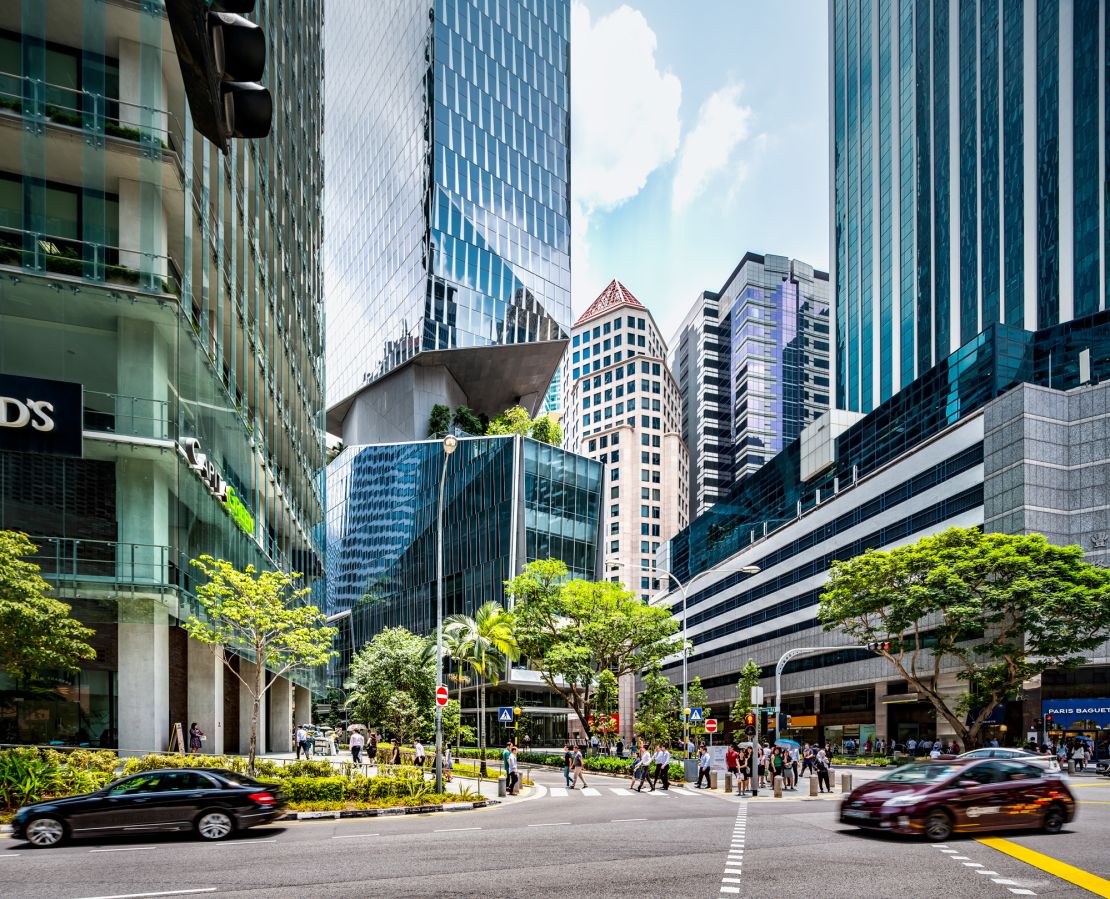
966,153
447,252
752,362
168,299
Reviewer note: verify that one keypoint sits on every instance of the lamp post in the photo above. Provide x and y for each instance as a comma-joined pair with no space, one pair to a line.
449,444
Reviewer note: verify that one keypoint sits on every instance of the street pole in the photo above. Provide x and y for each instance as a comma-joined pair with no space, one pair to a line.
755,757
449,444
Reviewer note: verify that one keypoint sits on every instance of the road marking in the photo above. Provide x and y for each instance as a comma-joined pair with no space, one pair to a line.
730,889
354,836
959,858
590,791
1017,892
972,865
166,893
730,880
454,829
1084,879
1004,881
558,792
620,791
624,820
988,873
124,849
552,824
734,864
244,842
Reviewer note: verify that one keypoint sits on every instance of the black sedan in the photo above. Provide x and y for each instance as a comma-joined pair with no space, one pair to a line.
213,803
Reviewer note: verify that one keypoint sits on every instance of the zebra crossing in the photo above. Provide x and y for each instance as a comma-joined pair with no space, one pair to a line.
621,792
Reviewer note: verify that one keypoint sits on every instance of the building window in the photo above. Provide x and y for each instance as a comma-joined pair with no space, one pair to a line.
614,546
614,492
614,511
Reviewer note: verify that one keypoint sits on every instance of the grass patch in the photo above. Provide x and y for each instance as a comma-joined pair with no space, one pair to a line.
408,802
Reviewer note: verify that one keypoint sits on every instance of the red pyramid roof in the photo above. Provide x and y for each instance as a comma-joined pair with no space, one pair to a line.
612,297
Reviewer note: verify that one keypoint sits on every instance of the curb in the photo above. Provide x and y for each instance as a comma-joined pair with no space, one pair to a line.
382,812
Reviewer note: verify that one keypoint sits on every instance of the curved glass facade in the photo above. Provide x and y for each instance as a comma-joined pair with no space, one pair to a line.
447,199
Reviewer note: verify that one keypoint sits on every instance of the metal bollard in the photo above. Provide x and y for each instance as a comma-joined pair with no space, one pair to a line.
712,780
778,786
812,785
501,785
728,781
1071,766
845,783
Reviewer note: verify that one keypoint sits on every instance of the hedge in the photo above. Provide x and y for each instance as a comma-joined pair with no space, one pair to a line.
358,789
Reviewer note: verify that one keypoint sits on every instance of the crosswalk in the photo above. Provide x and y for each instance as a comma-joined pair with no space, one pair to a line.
621,792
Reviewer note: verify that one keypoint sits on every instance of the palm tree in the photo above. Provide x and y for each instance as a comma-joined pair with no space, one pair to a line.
486,644
456,647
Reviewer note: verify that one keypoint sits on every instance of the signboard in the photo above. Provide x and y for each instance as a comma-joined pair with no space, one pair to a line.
505,714
206,469
757,696
441,695
41,416
717,760
1077,714
696,716
710,725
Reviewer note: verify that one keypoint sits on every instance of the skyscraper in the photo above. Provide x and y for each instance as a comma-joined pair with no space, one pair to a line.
447,252
174,296
752,363
967,154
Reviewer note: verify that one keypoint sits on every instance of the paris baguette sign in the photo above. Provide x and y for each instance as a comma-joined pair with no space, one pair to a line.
41,416
206,469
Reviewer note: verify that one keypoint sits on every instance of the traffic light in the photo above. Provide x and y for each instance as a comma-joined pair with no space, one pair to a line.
222,57
784,722
1048,722
879,646
749,723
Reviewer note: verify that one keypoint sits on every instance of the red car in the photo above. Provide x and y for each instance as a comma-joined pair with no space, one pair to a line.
939,798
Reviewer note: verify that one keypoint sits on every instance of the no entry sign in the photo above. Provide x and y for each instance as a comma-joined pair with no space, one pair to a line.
441,695
710,725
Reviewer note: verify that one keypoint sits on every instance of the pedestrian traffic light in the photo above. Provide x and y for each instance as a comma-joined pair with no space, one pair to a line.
1048,720
879,646
222,57
749,723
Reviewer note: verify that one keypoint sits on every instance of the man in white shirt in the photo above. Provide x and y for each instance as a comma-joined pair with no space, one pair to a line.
662,759
704,764
645,767
934,753
302,741
911,745
356,743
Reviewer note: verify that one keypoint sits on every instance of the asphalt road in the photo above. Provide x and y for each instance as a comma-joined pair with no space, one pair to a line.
604,842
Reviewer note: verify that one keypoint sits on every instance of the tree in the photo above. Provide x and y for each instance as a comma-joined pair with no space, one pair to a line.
466,419
573,630
439,421
487,644
36,632
259,613
659,718
547,430
749,677
462,653
333,700
512,421
606,701
404,718
1004,608
334,450
395,661
453,728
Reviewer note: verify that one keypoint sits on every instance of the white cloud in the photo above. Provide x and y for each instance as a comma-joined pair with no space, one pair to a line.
723,124
625,109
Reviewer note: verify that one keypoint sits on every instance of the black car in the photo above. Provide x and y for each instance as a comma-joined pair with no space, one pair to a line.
212,802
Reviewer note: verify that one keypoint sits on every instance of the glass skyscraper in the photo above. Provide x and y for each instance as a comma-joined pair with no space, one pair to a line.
968,145
178,292
447,252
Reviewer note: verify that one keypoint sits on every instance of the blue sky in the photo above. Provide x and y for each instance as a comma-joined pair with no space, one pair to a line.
699,132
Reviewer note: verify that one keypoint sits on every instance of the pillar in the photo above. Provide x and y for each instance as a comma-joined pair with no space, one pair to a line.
881,719
143,677
246,672
951,688
280,723
206,694
302,705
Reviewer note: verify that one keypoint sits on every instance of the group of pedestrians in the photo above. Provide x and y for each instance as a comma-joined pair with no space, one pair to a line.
573,765
649,768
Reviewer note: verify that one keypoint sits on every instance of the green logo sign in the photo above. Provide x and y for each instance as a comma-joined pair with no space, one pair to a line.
238,511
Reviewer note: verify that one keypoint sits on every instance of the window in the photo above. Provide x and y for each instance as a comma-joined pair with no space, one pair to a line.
644,529
140,783
614,527
614,474
577,338
593,446
644,474
643,546
604,443
645,493
614,511
616,457
645,511
655,494
614,492
605,328
645,458
614,546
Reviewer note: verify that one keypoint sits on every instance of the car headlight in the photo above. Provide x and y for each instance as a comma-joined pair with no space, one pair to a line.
900,801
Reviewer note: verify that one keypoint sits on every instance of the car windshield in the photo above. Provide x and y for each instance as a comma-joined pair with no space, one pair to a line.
920,774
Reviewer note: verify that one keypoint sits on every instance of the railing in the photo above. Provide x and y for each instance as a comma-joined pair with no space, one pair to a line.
127,415
153,129
127,565
99,262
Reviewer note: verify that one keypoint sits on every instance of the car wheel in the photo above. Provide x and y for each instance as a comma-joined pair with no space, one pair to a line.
214,825
45,832
1054,820
938,826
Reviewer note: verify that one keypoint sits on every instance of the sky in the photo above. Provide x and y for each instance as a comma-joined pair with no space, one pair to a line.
699,132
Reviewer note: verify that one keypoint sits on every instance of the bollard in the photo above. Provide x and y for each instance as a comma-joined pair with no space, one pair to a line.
728,781
845,783
812,785
1071,766
501,787
778,786
712,780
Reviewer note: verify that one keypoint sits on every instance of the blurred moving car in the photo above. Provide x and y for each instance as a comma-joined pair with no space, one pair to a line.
212,802
1046,761
938,798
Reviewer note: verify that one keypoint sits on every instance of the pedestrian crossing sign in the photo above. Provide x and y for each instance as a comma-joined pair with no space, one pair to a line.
505,714
696,716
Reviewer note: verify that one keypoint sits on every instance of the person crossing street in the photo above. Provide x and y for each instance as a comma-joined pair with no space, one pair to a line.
662,767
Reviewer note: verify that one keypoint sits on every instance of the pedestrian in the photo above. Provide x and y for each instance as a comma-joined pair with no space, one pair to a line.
745,780
505,753
1078,755
934,753
372,747
527,742
448,764
195,735
310,737
513,784
578,767
302,741
822,765
593,744
787,770
732,762
634,768
777,764
807,759
568,760
395,752
704,765
662,767
620,747
645,770
418,757
356,743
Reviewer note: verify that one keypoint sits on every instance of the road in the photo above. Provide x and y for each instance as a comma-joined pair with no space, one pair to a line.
605,841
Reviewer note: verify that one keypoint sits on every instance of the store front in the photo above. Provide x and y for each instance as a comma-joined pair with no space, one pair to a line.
1088,719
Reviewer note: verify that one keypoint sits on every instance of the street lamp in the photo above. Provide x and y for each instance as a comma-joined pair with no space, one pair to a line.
449,444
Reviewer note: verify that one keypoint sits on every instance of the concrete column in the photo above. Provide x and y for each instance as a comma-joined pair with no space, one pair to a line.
246,672
142,227
144,677
881,720
951,688
206,694
302,704
280,723
626,707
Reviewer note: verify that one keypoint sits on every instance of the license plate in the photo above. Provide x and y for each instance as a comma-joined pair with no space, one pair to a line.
856,813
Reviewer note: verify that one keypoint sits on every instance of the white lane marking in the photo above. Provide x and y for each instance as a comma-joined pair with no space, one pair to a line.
1022,892
124,849
735,861
1004,881
730,889
244,842
950,851
624,820
354,836
454,829
972,865
166,893
620,791
988,873
960,858
552,824
558,792
590,791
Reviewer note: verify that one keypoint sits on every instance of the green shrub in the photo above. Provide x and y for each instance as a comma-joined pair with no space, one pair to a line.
315,789
29,774
309,768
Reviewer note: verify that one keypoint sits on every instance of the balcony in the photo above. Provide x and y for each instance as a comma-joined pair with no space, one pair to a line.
127,416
